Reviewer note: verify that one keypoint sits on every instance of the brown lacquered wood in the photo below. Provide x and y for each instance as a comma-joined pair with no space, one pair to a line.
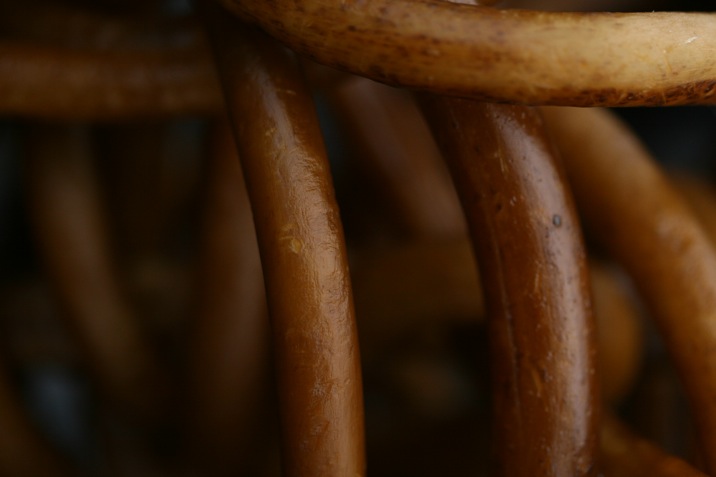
71,233
516,56
229,369
302,251
532,263
629,207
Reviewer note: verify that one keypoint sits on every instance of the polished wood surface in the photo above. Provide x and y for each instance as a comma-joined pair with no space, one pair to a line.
154,292
517,56
302,251
532,263
629,206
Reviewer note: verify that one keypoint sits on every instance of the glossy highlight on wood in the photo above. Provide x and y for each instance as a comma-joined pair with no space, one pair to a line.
302,251
532,263
629,206
177,258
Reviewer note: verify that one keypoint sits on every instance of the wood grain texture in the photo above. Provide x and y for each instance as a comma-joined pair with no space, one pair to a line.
532,263
630,208
517,56
302,251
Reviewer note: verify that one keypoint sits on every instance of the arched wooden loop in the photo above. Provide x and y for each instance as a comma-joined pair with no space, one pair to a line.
513,56
532,263
516,56
302,251
630,208
187,389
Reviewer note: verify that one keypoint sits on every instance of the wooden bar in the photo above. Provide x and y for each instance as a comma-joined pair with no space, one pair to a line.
302,251
532,263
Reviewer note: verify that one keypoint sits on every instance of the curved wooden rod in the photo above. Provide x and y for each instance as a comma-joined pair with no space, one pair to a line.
629,207
532,262
302,251
518,56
